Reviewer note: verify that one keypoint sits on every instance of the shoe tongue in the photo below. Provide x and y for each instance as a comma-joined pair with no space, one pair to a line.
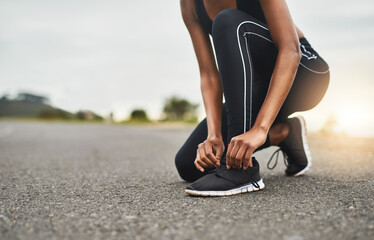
236,176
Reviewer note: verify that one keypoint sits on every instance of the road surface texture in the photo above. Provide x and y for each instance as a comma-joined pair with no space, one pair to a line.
96,181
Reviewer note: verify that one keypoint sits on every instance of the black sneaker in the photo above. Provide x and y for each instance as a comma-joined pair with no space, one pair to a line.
295,149
226,182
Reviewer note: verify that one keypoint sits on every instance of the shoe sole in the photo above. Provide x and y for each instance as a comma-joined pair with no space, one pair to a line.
306,147
242,189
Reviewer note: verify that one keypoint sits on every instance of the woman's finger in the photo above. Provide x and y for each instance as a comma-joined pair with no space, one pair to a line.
197,165
219,152
228,154
240,155
201,164
196,162
233,153
247,161
209,153
204,158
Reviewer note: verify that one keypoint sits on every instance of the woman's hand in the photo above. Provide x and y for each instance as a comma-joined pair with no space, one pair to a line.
209,153
241,147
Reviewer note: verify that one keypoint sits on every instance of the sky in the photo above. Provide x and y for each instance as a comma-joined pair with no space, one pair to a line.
114,56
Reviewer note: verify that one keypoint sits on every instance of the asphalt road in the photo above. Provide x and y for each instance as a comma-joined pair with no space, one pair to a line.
91,181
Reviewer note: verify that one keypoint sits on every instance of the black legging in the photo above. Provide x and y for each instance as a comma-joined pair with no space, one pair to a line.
246,58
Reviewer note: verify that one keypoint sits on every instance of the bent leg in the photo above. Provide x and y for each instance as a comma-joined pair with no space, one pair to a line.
246,57
310,84
185,157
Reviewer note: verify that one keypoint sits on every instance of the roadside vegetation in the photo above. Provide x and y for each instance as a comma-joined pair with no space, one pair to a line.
27,106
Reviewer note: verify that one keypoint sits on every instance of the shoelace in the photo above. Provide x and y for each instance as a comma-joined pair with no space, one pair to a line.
254,183
222,168
285,159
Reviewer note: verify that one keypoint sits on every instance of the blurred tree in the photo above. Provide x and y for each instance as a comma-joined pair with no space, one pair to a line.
80,115
4,98
139,115
176,108
54,113
88,115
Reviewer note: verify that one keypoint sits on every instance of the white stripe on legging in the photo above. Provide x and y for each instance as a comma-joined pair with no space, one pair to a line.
250,96
245,77
249,59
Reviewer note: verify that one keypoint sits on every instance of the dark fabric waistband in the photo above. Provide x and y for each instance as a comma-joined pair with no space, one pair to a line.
303,41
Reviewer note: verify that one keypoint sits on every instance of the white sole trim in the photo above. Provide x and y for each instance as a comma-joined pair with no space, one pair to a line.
305,145
242,189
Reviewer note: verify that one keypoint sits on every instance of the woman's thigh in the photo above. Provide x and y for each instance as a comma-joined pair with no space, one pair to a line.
245,56
310,83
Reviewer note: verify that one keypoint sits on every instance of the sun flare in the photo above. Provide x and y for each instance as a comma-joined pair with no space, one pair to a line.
351,116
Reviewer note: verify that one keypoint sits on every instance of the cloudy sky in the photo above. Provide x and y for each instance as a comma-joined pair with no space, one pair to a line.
113,56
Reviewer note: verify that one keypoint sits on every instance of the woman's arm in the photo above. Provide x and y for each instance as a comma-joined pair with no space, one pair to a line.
210,85
284,35
300,34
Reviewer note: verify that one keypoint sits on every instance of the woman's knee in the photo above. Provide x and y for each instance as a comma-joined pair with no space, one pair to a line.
181,163
224,19
229,19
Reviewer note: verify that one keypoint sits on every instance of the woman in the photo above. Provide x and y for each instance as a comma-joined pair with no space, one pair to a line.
267,71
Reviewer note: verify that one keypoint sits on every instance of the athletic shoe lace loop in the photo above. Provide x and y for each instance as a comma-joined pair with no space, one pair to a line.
254,183
276,154
219,169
